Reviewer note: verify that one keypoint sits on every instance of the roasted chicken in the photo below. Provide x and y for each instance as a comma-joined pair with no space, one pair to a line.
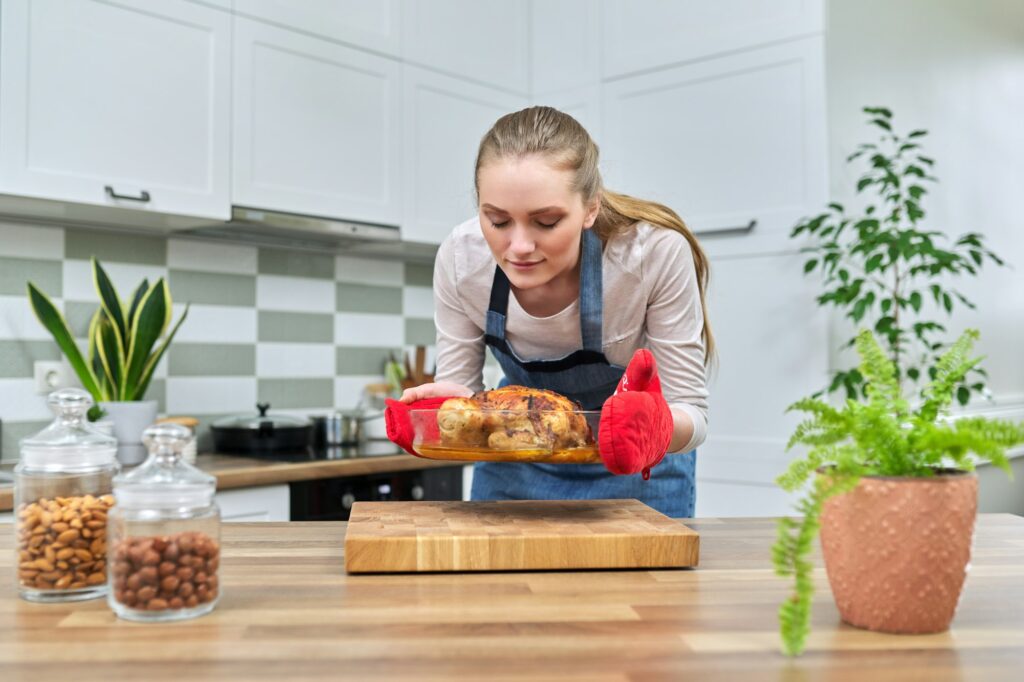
513,418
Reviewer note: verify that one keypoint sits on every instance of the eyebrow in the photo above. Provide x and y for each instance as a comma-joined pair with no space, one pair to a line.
539,210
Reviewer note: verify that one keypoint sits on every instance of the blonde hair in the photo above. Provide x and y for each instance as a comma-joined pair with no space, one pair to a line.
562,140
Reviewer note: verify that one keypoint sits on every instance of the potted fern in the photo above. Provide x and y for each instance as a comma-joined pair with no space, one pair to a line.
892,490
124,349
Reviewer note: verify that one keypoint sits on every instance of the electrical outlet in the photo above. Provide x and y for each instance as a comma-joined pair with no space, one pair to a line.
51,375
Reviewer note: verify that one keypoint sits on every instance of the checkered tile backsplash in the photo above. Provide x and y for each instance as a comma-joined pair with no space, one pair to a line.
302,331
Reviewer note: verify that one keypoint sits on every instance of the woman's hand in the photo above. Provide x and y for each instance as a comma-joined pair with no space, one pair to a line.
445,389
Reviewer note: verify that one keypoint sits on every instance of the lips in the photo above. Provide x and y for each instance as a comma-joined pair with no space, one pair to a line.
524,265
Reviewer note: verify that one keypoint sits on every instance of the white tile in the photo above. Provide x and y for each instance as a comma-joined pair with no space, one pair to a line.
210,395
349,389
287,360
17,321
367,329
274,292
418,302
78,284
31,241
216,324
368,271
19,401
193,254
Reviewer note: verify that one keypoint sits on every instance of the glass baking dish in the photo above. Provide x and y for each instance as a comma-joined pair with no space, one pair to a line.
487,435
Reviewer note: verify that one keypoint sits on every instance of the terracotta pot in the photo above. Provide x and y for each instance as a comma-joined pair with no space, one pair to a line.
896,550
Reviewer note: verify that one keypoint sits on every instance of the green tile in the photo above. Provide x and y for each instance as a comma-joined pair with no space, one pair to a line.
79,315
351,360
419,274
296,327
365,298
211,359
122,247
296,393
420,332
12,432
16,357
15,273
295,264
214,288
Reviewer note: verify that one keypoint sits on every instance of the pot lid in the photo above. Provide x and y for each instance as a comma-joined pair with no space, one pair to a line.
262,420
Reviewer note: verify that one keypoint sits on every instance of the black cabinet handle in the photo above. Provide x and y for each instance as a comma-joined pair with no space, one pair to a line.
723,231
142,197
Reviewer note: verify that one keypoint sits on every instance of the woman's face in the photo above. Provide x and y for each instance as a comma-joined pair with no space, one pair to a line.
532,219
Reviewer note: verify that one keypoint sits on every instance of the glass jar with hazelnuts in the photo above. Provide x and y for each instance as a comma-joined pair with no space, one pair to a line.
164,548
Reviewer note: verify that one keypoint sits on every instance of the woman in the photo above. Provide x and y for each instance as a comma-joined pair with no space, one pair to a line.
564,280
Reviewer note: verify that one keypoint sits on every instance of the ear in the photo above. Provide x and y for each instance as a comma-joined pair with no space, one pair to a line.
591,215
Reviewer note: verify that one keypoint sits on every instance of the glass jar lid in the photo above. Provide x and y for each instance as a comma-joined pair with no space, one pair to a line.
70,443
165,480
262,421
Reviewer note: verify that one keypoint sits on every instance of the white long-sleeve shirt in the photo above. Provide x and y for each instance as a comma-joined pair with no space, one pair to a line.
651,300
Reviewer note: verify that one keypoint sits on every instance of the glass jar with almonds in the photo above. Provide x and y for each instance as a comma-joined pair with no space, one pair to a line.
62,498
164,552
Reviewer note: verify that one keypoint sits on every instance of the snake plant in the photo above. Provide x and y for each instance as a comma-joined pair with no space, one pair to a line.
124,336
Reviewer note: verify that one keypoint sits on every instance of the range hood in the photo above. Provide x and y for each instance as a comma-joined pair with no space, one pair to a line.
312,233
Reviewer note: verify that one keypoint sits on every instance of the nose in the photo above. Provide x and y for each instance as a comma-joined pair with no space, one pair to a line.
520,242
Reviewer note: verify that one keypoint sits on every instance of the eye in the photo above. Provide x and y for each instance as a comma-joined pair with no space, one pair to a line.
494,224
549,224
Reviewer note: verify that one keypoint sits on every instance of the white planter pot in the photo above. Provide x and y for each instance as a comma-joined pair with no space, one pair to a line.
130,420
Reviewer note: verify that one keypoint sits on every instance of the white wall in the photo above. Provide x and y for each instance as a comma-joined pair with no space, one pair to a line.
956,69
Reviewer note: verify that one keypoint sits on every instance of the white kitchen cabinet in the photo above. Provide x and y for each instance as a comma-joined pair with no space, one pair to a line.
483,40
640,35
6,517
725,141
374,25
444,119
565,48
264,503
118,105
316,126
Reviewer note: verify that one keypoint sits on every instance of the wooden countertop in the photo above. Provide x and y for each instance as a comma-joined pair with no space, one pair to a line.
289,612
243,472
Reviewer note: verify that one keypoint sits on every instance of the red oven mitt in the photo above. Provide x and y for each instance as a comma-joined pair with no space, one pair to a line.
636,423
398,420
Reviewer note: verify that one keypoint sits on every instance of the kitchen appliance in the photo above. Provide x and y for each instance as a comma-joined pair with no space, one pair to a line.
315,233
343,427
514,536
262,434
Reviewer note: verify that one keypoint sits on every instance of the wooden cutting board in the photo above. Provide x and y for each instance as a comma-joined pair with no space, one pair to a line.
399,537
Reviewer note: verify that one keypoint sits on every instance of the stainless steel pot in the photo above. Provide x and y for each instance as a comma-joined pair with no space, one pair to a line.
343,427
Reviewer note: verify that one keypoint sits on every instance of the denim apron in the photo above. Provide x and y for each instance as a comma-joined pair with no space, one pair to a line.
587,377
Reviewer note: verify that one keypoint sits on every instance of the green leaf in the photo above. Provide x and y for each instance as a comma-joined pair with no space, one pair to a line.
915,301
54,322
947,302
110,302
917,133
151,365
810,265
111,355
874,262
963,395
140,292
146,327
881,123
878,111
864,182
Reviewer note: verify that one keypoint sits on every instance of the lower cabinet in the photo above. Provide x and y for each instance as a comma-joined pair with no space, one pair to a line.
265,503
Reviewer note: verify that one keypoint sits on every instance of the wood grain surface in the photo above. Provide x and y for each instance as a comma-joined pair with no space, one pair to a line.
289,612
388,537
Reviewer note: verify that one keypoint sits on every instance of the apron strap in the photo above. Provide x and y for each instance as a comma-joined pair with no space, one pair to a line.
591,296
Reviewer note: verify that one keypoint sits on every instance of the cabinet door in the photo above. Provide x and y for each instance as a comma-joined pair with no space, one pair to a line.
316,126
725,141
133,97
371,24
264,503
444,119
483,40
648,34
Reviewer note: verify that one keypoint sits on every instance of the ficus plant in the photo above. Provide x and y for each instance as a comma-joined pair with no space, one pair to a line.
882,267
878,435
124,336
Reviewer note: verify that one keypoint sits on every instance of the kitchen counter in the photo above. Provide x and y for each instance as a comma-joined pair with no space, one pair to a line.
242,472
289,612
